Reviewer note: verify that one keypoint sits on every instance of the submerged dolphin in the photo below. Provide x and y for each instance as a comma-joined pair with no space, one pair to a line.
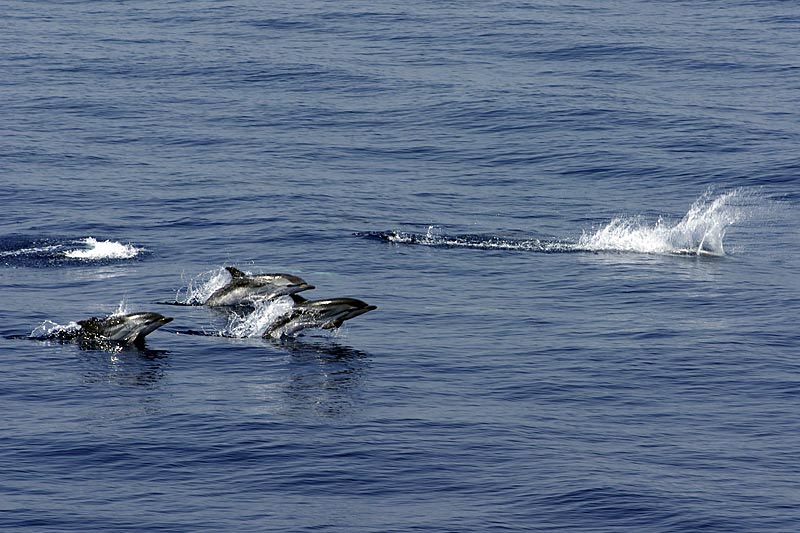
124,329
326,314
243,288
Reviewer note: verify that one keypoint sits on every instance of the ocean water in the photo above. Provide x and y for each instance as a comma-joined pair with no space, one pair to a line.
578,221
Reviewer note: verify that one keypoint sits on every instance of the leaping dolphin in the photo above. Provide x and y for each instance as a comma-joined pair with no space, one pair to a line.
326,314
244,288
102,332
125,329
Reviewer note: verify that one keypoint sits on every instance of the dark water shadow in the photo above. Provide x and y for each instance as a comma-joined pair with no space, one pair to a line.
112,362
93,343
333,351
325,379
141,368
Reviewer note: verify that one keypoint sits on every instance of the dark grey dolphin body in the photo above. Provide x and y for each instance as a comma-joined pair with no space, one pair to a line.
326,314
244,288
123,329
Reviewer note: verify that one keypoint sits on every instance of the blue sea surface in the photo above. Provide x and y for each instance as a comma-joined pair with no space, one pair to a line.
578,222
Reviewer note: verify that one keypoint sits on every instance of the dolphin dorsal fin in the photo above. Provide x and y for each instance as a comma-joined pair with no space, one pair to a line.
298,299
235,272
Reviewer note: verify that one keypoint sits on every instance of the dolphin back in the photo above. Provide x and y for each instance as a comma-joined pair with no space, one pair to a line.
326,314
245,289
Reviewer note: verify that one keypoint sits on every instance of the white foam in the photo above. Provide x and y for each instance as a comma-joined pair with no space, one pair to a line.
255,323
94,250
48,329
202,286
700,231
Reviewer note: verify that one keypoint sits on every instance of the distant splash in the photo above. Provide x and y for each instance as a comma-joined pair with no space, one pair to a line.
700,232
45,252
98,250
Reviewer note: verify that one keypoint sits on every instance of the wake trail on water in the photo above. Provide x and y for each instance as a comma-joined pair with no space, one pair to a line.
699,233
44,252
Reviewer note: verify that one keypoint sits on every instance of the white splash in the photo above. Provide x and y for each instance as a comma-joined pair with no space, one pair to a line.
122,308
48,329
202,286
255,323
699,232
93,250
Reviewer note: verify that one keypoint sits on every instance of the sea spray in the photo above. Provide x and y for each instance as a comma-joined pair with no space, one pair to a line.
122,308
202,286
700,232
49,329
255,322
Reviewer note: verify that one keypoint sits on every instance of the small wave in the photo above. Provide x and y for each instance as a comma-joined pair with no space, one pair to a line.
699,232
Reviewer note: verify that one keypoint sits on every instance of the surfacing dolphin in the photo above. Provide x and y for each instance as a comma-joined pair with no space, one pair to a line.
244,288
112,331
326,314
123,329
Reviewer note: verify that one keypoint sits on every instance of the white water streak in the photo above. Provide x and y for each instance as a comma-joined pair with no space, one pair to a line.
39,250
